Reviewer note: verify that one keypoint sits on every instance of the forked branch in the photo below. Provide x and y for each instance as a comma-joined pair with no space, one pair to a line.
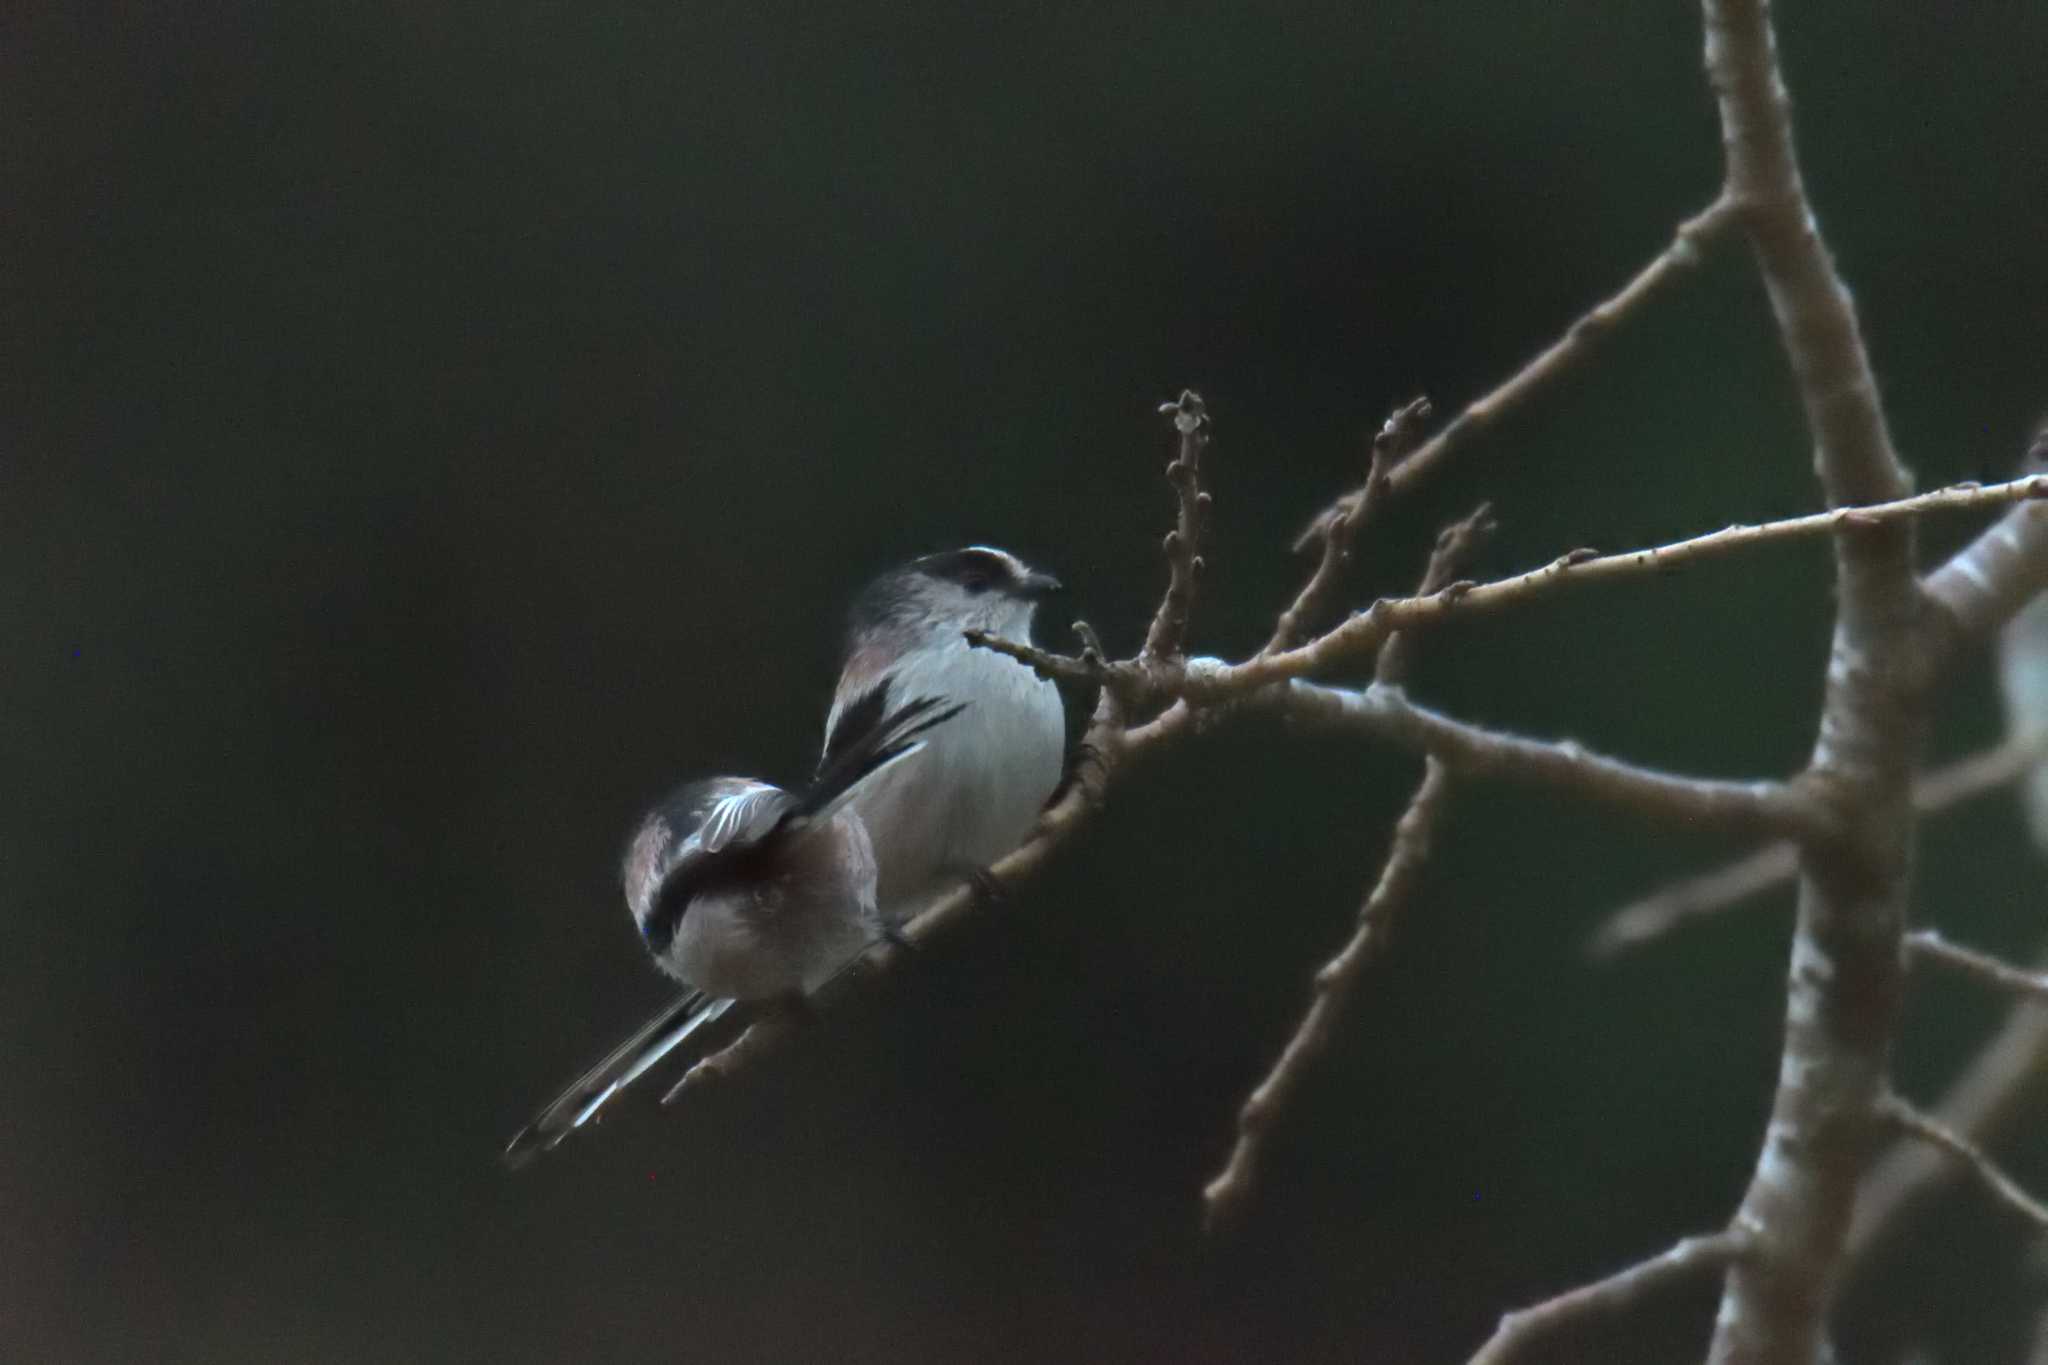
1679,903
1619,1291
1974,1159
1340,529
1226,1196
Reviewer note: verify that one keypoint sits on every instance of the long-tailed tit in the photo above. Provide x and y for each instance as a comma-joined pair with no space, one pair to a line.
742,890
2023,676
978,784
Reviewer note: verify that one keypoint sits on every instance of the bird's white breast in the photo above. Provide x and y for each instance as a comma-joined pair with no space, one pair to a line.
976,787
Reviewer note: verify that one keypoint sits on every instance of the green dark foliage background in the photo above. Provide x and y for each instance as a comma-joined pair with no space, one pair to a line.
429,429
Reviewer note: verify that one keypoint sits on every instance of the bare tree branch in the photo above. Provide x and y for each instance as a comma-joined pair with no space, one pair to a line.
1995,576
1340,531
1454,548
1230,1191
1933,1131
1853,453
1168,633
1050,663
1678,903
1470,750
1929,944
1843,997
1686,250
1368,630
1226,1196
1988,581
1981,1102
1618,1291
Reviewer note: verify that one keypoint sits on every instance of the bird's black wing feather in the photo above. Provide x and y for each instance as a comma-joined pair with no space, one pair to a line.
857,718
866,740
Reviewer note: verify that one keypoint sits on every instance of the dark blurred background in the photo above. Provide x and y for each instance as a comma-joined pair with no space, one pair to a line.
431,429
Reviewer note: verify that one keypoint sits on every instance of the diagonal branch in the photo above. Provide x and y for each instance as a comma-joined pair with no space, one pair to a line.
1853,453
1685,251
1618,1291
1988,581
1454,547
1982,1102
1339,530
1691,898
1365,631
1227,1196
1928,944
1586,566
1933,1131
1679,903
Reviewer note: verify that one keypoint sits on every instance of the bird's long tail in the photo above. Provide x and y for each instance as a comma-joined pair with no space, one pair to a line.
620,1067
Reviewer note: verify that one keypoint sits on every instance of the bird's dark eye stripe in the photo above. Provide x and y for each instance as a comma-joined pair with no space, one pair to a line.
671,903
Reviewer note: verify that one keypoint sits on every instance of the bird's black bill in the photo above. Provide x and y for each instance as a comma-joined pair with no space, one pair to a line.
1039,586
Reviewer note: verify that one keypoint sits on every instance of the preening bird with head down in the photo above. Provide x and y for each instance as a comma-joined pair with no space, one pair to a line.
743,890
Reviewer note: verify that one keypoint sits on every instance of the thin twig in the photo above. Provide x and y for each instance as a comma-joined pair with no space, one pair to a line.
1226,1196
1679,903
1686,250
1340,531
1454,548
1365,631
1986,770
1981,1102
1691,898
1929,944
1168,633
1230,1191
1932,1130
1618,1291
1050,664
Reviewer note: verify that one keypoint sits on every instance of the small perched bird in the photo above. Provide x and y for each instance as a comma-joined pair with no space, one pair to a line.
978,784
2023,674
744,891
